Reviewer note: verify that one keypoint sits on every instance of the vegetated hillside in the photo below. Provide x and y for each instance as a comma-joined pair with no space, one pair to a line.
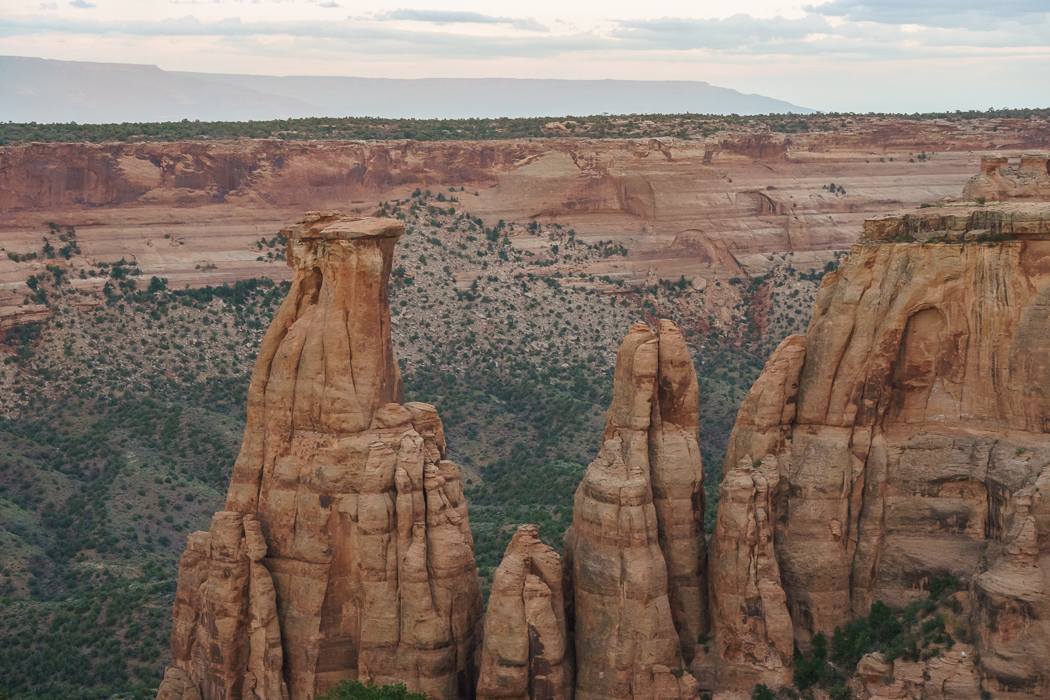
620,126
123,413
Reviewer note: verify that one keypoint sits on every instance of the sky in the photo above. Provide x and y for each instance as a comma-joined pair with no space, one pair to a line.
831,55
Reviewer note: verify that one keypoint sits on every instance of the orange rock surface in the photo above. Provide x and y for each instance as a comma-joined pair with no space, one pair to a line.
909,432
526,653
635,554
345,550
753,641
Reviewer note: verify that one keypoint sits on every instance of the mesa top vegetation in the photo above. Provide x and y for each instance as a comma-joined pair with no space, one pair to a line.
685,126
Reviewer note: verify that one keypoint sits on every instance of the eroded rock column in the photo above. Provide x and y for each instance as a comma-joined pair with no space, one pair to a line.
627,599
352,556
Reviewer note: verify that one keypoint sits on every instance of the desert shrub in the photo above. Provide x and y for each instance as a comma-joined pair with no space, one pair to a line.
761,692
356,690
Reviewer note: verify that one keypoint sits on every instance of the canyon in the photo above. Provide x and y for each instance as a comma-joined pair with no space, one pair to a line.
892,458
707,208
887,464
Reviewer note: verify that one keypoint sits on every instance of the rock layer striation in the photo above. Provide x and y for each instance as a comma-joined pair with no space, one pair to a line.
345,549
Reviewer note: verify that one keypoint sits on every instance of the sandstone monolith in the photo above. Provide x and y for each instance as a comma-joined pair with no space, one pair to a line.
345,549
908,429
525,655
753,640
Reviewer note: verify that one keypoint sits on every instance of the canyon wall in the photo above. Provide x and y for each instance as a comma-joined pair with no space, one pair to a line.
345,549
192,212
904,436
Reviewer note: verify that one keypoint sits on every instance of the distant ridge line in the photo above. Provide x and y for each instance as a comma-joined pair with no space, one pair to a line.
50,91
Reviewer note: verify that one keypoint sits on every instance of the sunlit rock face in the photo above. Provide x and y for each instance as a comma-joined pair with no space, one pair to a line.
526,655
635,554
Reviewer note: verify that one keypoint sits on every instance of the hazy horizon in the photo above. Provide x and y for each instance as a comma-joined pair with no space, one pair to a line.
49,91
835,55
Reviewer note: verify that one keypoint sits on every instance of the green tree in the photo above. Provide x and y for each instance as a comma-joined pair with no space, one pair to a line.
356,690
761,692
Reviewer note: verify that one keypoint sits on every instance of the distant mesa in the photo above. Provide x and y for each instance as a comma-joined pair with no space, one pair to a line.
42,90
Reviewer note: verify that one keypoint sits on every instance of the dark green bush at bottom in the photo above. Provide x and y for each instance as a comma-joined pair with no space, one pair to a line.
356,690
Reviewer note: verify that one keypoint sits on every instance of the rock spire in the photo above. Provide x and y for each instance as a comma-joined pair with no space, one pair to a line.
635,554
344,550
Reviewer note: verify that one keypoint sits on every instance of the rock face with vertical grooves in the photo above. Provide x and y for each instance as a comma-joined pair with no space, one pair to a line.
345,549
525,654
635,554
753,636
909,432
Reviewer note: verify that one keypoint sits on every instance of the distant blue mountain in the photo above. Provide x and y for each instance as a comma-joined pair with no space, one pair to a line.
42,90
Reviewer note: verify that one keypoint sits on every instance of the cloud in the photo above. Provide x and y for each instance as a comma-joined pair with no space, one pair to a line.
82,4
732,38
49,6
946,14
453,17
733,33
368,38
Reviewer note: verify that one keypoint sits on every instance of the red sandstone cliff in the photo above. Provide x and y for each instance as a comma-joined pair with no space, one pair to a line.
714,208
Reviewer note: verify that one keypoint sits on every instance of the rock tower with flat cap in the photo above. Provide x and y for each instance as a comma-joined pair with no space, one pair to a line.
344,550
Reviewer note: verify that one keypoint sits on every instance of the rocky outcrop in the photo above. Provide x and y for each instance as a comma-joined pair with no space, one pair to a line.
345,550
914,445
225,635
526,655
960,223
1012,614
999,181
635,554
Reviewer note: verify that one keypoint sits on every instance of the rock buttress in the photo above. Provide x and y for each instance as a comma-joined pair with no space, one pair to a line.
354,557
911,435
635,554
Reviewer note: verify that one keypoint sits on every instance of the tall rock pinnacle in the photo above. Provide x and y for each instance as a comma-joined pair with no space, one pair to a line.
345,549
635,553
